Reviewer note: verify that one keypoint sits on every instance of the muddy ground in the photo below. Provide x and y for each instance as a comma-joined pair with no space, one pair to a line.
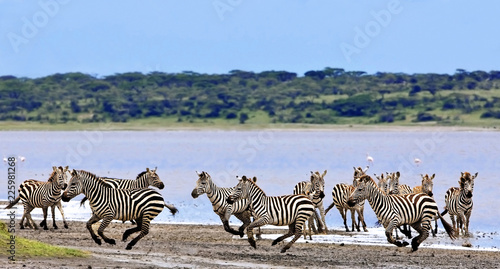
200,246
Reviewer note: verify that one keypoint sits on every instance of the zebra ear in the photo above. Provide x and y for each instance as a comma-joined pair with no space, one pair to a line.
475,175
66,168
254,179
398,174
432,177
156,168
54,168
147,169
73,173
324,173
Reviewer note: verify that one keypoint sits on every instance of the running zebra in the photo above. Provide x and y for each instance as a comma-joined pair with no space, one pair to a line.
141,205
39,194
426,188
417,210
221,207
341,193
315,189
459,203
143,180
291,210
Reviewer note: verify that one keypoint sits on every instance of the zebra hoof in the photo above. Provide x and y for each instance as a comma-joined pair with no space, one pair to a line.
111,241
97,241
129,247
45,228
66,226
283,250
55,227
21,227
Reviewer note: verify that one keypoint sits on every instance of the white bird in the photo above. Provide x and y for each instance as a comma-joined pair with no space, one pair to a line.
5,159
417,161
22,158
369,159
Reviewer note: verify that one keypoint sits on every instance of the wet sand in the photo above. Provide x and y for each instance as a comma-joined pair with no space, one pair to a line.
209,246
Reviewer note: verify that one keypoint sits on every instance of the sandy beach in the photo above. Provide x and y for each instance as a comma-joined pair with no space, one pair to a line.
209,246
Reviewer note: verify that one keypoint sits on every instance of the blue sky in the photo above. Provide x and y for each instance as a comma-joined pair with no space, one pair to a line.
39,38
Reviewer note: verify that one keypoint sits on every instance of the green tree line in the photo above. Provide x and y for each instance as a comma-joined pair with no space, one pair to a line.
331,95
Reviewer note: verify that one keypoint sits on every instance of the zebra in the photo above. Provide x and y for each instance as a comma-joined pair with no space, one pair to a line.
291,210
383,182
39,194
426,188
459,203
221,207
315,189
143,180
340,194
394,189
141,205
417,210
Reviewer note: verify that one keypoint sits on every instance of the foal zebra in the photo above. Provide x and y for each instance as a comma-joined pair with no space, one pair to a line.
417,210
141,205
39,194
341,193
426,188
459,203
221,207
143,180
291,210
315,189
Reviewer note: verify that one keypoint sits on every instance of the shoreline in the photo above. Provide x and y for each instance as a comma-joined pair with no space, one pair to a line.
247,127
209,246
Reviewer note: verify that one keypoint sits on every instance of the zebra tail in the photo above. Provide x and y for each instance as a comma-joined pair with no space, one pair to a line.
329,207
444,212
13,202
82,202
172,208
449,230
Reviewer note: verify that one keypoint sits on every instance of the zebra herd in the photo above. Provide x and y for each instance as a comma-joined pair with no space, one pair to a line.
394,204
110,199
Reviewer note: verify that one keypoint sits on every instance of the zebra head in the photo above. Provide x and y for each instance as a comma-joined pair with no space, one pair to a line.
382,182
240,191
427,184
318,183
203,184
467,183
59,176
74,188
153,179
360,192
394,183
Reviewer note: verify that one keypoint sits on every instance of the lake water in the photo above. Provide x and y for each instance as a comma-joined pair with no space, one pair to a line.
279,159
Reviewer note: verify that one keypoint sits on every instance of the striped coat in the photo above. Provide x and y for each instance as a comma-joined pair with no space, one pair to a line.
416,210
141,205
459,203
290,210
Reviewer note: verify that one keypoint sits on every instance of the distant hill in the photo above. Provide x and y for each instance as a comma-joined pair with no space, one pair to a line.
331,95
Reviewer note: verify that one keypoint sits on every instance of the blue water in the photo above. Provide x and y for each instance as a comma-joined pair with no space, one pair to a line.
279,159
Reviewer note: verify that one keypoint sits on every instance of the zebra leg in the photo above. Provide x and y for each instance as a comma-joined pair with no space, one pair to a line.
297,230
144,231
323,216
467,218
435,231
353,221
44,221
291,231
361,217
343,212
27,213
423,232
243,217
452,217
254,224
62,214
130,231
91,221
105,222
53,209
388,233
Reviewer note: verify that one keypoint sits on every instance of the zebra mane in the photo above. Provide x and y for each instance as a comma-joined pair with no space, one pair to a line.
253,183
93,177
141,174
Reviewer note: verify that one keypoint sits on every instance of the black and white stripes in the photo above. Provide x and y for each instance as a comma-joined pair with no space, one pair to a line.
141,205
